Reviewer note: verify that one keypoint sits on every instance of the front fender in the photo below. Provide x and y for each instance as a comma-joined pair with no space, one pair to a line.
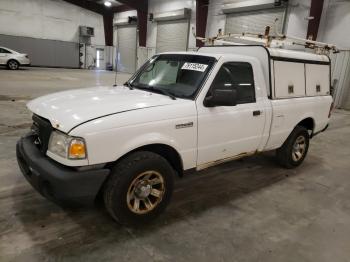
112,137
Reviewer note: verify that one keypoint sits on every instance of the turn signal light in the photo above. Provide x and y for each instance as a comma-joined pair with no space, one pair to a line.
77,149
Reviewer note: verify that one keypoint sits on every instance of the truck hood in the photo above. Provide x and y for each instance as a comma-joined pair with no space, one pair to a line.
65,110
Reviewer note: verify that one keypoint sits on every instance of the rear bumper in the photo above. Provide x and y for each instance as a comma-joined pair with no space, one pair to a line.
54,181
24,61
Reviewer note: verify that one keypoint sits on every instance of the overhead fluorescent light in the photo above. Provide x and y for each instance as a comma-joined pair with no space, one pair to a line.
107,3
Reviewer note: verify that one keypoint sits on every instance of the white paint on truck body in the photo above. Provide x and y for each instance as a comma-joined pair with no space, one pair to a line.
115,120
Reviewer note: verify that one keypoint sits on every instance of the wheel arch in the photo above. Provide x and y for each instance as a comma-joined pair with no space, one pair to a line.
168,152
14,59
308,123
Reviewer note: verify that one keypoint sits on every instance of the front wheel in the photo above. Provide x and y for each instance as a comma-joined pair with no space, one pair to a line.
139,189
12,65
293,152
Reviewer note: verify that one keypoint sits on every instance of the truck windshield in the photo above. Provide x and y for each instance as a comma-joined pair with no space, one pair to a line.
175,75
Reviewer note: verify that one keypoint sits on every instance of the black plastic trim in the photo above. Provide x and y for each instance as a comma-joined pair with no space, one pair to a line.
42,128
330,75
59,183
324,129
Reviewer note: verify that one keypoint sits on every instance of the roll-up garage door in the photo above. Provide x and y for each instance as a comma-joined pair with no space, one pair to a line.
126,35
255,21
44,52
172,35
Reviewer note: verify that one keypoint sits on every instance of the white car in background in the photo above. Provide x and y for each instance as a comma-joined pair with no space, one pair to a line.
12,59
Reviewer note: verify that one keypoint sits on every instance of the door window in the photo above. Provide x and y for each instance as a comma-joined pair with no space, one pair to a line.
4,51
238,76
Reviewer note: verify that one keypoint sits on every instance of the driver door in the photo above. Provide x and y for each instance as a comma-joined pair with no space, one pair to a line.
225,132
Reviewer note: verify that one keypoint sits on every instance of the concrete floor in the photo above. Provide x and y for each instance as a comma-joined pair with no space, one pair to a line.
247,210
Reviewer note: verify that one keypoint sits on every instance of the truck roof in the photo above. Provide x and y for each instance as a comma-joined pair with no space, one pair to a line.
217,56
218,51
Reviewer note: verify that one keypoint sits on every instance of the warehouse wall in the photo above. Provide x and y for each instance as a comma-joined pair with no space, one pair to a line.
119,16
295,25
334,28
216,18
48,19
158,6
335,21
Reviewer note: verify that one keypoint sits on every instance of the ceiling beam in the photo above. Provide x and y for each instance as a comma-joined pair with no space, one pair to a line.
315,12
94,7
141,5
120,8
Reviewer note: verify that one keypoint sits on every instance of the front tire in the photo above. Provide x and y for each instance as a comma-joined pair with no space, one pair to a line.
12,64
139,189
294,150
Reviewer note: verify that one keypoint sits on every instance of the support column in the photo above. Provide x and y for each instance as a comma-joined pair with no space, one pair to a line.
142,27
316,12
108,28
201,19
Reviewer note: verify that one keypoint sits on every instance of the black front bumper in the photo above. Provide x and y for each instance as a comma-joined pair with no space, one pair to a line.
63,185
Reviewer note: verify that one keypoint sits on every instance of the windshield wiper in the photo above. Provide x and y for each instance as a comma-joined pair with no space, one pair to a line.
157,90
128,84
163,92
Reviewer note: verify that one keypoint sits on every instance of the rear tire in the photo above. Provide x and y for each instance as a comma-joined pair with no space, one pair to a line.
139,188
294,150
12,64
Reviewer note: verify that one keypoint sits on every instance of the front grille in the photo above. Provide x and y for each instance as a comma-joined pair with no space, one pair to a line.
42,130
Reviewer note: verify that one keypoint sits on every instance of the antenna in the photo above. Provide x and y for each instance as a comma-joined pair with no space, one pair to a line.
116,69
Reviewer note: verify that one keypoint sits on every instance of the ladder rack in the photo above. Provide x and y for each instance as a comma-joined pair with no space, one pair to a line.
277,40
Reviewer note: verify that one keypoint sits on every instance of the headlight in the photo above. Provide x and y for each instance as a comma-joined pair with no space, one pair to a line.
67,146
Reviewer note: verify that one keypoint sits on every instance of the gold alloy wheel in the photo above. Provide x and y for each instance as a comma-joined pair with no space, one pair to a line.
299,148
145,192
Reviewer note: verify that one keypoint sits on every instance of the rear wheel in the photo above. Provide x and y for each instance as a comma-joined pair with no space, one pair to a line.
12,64
293,152
139,189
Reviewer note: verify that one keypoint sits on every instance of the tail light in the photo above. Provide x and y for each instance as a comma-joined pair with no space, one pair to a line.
331,110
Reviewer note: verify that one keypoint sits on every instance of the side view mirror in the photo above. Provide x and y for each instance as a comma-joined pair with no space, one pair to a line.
221,97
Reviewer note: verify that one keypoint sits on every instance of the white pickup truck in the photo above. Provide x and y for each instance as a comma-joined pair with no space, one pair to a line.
180,111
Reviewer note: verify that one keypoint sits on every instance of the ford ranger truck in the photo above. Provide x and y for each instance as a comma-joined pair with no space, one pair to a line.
179,112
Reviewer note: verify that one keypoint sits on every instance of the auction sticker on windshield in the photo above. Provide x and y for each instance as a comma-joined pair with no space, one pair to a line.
194,67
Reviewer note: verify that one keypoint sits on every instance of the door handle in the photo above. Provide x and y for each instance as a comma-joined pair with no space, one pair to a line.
257,113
